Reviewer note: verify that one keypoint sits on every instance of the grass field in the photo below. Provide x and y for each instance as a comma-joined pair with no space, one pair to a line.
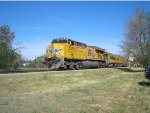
83,91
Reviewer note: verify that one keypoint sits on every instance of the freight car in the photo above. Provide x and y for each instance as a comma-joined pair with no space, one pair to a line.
114,60
65,53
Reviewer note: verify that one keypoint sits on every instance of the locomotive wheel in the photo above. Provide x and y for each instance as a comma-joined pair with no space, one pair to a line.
77,67
68,66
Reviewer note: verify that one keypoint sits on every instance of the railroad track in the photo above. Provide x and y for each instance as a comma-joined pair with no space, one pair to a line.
17,73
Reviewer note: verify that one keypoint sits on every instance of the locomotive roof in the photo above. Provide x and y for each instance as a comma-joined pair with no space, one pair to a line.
81,43
63,38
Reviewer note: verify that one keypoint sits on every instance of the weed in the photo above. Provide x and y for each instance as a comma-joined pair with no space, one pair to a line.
45,76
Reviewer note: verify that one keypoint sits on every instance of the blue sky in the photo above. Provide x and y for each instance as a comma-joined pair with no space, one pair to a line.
36,24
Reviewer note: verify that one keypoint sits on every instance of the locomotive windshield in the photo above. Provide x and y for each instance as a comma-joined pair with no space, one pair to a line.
60,40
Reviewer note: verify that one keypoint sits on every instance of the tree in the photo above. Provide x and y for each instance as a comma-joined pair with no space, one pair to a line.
136,40
37,62
7,53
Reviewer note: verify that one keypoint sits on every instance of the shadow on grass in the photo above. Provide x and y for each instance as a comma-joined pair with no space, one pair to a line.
143,83
126,69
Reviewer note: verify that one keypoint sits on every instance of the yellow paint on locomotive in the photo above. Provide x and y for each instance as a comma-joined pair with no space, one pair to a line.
55,49
65,50
94,54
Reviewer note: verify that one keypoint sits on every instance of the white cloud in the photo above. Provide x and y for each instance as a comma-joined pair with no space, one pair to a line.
59,19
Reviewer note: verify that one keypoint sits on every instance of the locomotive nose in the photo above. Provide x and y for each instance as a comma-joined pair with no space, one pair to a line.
55,50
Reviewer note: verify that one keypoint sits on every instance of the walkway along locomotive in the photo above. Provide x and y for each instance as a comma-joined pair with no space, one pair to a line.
65,53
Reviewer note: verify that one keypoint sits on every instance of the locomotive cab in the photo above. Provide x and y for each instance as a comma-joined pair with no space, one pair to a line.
55,53
56,48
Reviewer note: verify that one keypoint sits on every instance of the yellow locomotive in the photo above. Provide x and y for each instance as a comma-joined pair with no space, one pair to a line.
65,53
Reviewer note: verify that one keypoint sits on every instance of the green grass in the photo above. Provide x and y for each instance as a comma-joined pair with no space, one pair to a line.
84,91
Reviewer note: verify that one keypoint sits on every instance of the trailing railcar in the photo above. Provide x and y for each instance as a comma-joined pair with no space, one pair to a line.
115,60
65,53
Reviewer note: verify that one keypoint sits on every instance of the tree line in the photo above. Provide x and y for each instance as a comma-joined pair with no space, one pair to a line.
10,57
8,54
136,41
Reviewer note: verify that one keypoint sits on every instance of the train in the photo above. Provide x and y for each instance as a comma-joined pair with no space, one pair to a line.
64,53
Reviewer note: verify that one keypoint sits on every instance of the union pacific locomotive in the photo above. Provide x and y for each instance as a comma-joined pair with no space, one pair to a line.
65,53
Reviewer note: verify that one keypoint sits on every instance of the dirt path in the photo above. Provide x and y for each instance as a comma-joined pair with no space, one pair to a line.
29,73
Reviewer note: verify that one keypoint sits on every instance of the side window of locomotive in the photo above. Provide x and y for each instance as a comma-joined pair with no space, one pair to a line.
71,42
84,45
60,41
78,44
54,41
105,57
112,58
63,41
75,43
